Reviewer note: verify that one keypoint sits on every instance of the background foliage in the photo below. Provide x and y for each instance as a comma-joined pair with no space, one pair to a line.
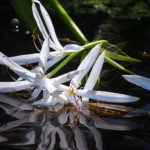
118,9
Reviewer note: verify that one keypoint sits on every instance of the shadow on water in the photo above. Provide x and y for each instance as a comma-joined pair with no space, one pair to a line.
99,126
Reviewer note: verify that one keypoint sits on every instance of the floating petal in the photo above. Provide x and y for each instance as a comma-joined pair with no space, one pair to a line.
138,80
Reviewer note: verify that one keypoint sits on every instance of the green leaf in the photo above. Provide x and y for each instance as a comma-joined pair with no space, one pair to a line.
116,65
68,21
24,11
121,57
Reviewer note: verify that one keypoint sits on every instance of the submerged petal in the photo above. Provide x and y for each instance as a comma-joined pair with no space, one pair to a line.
107,96
138,80
73,48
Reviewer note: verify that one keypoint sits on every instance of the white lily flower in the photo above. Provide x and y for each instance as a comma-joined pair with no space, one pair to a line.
69,93
36,78
53,40
73,95
141,81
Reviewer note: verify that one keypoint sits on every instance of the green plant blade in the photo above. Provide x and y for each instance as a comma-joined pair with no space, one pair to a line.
121,57
68,21
23,10
116,65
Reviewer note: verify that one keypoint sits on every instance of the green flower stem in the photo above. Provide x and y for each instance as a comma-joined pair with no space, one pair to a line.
68,21
116,65
62,64
24,11
71,56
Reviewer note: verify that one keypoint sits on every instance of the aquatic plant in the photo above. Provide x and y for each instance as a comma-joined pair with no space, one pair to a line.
54,91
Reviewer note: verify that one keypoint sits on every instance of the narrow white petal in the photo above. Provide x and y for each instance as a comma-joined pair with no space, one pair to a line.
39,21
8,62
63,88
65,77
6,87
87,63
27,75
73,48
44,53
96,70
53,61
22,72
33,58
138,80
49,25
48,85
26,59
107,96
36,93
46,94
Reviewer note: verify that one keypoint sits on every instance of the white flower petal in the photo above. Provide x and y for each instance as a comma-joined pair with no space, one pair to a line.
53,61
63,88
49,25
36,93
107,96
25,74
6,61
25,59
138,80
46,94
86,64
73,48
65,77
33,58
48,85
39,21
92,79
6,87
44,53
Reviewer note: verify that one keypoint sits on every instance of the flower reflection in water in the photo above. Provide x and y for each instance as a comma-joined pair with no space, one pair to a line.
60,127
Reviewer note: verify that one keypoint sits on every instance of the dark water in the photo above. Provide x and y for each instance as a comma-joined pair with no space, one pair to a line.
98,127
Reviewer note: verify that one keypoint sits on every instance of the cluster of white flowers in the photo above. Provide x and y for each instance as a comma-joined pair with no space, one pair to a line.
54,90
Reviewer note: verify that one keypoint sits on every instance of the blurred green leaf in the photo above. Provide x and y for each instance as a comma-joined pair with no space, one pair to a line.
24,11
121,57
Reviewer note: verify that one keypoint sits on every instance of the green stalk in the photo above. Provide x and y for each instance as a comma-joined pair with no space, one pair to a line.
71,56
62,64
24,11
68,21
